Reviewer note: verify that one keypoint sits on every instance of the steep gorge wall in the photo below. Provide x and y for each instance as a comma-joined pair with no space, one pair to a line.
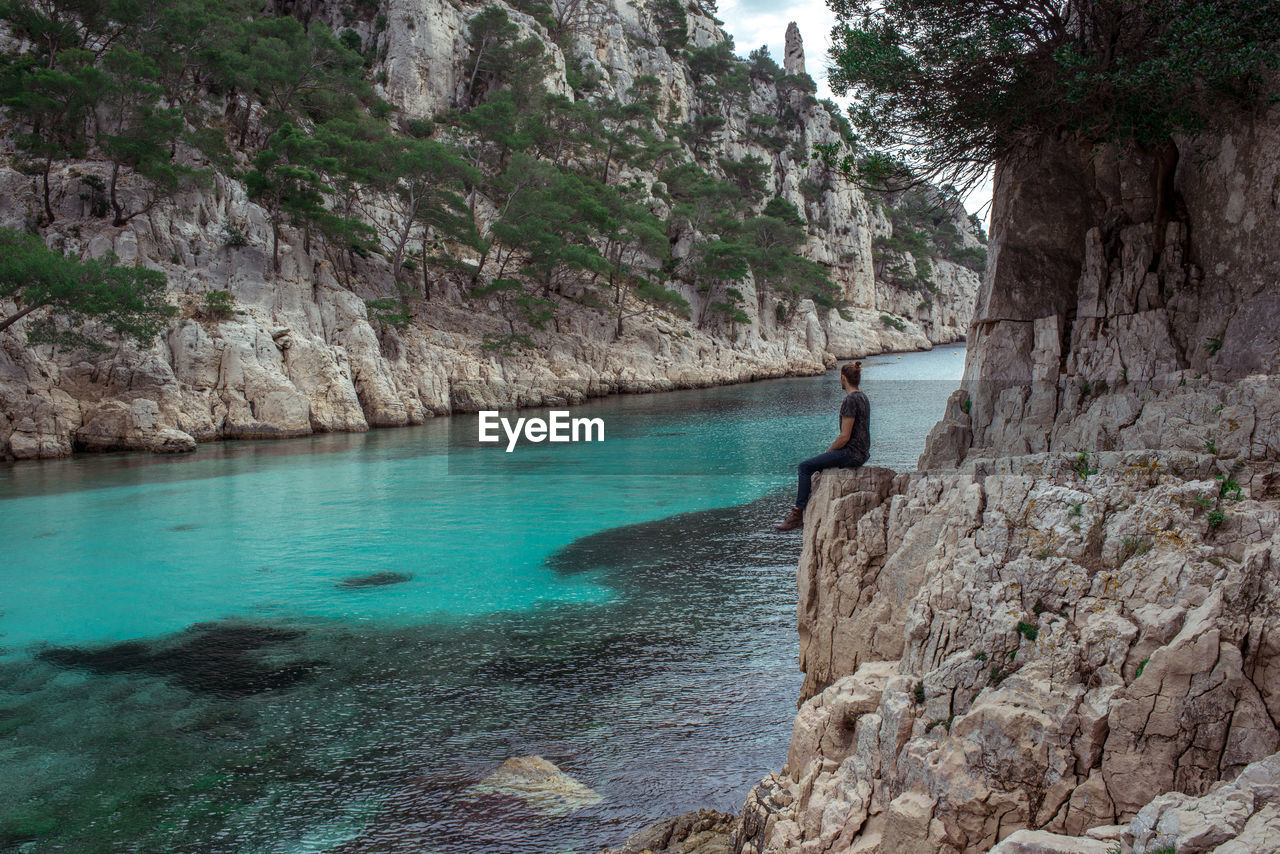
300,355
1073,606
1086,337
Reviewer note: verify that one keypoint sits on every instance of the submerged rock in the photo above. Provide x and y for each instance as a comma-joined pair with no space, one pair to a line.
211,659
538,783
375,579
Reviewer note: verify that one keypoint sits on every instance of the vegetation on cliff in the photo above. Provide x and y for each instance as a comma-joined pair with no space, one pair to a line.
92,298
521,195
944,89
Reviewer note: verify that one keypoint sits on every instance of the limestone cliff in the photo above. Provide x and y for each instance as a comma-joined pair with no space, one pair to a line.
1071,608
300,353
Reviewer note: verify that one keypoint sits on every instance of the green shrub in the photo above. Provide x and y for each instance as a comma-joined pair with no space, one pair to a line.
217,305
234,237
1081,466
672,22
389,312
1229,487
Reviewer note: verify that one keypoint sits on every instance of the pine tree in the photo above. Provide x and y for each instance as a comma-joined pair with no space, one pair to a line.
53,107
136,133
78,303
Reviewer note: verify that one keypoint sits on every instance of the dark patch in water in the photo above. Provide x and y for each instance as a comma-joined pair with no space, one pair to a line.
43,535
188,526
688,552
212,659
375,579
13,717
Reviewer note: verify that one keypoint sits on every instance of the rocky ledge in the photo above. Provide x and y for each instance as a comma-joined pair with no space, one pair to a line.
698,832
1041,642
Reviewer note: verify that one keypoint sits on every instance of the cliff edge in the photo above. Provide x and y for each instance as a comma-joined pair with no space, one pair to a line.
1062,633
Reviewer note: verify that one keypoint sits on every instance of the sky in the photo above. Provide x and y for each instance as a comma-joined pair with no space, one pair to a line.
753,23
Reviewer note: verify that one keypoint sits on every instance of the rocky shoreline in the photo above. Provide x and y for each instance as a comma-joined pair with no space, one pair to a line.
305,359
298,352
1061,633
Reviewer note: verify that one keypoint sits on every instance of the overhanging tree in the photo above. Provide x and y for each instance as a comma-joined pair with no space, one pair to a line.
286,182
78,303
420,181
944,88
137,133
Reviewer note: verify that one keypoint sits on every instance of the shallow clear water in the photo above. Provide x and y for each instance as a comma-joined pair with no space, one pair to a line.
195,654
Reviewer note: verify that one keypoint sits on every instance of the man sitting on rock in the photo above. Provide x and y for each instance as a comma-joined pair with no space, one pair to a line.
851,448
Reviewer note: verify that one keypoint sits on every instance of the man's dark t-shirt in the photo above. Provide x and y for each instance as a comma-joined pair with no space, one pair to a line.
857,407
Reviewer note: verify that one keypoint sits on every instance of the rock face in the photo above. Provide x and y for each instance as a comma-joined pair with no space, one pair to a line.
1240,817
699,832
300,354
1062,633
1095,330
793,58
1014,646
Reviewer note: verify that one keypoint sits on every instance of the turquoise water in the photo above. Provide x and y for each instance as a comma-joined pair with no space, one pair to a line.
320,644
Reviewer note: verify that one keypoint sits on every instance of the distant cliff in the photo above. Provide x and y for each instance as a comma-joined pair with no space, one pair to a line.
297,348
1063,632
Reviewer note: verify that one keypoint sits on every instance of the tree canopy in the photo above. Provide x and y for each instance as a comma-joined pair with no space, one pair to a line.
530,199
75,303
943,88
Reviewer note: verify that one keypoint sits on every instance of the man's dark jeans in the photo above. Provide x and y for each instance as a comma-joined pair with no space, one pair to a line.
841,458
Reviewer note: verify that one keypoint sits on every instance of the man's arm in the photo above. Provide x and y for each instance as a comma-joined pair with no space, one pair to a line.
846,430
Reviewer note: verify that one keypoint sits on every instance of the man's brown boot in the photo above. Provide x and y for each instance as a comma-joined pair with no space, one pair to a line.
795,519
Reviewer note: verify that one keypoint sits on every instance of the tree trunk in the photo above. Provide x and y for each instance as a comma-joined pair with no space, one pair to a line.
245,114
48,208
475,71
18,315
608,157
484,256
621,294
426,283
120,219
275,248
